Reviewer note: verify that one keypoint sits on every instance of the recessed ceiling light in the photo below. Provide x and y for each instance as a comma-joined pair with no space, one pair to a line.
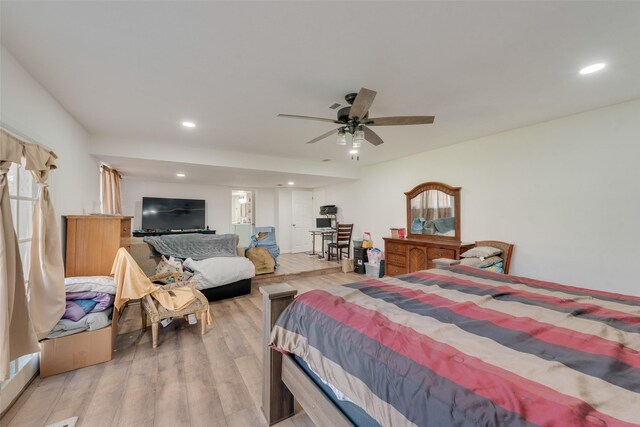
353,152
180,175
290,182
188,124
593,68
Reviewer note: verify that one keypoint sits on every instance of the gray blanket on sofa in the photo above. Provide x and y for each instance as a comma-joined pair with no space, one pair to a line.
194,246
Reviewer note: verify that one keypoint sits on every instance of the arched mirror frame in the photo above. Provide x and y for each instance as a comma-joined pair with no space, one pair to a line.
452,191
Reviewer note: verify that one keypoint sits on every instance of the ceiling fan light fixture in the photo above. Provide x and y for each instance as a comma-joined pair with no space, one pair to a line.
358,138
342,137
354,151
351,120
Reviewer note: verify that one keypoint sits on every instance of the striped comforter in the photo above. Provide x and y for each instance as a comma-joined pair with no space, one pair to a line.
466,347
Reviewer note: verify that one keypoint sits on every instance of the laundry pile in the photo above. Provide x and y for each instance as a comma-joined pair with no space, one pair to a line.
89,305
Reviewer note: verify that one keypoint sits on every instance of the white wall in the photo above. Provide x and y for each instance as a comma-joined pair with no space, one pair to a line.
566,192
265,207
26,107
217,201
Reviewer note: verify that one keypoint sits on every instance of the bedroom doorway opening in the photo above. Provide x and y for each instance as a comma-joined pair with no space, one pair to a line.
243,215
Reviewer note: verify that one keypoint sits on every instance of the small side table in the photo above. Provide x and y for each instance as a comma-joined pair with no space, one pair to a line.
326,235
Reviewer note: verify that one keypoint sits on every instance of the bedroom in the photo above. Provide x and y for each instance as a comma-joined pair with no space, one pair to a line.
546,157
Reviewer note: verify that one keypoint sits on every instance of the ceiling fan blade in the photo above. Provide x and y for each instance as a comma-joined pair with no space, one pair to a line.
362,103
400,121
320,119
372,137
323,136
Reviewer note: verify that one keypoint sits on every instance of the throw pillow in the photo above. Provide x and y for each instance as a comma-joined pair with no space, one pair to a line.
480,262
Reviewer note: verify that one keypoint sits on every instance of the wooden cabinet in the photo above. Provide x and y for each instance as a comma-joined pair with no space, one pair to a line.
408,255
92,243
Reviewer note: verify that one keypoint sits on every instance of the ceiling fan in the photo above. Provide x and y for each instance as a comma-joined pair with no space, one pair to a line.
354,120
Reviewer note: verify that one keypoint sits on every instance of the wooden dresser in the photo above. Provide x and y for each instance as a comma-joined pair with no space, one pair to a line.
92,243
404,256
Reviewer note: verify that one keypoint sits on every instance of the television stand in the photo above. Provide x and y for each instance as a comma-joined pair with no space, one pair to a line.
143,233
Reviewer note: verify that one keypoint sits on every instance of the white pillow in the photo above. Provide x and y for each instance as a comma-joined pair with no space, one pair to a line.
90,283
481,252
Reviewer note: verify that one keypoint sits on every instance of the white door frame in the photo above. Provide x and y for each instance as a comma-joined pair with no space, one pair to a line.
301,222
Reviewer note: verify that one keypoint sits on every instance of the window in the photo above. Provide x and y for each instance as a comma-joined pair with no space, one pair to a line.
23,192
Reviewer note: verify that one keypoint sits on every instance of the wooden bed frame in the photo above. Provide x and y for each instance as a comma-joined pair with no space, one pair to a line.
283,378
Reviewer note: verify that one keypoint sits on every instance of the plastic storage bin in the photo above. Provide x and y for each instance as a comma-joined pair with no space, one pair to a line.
373,270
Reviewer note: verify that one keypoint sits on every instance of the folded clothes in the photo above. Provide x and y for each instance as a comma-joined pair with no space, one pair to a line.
76,310
90,283
81,303
90,322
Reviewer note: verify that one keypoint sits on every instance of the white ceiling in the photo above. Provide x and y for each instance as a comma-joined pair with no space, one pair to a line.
135,70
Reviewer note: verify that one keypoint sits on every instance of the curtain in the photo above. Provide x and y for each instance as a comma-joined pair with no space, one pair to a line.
111,191
432,204
17,335
438,205
46,272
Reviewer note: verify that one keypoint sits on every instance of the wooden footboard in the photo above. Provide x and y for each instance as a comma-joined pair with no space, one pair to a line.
283,378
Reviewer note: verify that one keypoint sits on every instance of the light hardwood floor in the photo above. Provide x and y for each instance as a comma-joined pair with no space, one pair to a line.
189,380
298,266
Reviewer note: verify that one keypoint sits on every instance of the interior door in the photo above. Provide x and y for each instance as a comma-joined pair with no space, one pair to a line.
301,220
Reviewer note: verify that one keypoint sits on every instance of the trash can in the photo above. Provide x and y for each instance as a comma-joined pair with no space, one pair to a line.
359,259
375,271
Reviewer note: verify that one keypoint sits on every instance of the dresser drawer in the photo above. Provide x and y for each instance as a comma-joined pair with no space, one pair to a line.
396,259
433,253
125,229
394,270
396,248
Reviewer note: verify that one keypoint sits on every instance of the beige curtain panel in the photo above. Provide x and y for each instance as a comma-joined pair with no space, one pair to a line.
17,335
46,273
111,191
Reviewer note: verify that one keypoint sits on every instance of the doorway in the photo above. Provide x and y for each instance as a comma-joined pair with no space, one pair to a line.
243,215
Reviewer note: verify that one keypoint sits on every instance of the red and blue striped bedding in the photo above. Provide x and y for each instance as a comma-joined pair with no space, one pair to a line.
467,347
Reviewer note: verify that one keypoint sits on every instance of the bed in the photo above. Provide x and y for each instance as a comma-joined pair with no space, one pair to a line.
456,346
233,285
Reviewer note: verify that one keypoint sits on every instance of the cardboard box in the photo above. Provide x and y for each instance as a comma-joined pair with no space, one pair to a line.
77,351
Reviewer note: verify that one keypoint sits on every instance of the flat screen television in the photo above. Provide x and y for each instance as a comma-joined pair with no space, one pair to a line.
172,214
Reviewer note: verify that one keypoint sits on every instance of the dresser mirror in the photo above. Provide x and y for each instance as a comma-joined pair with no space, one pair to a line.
433,211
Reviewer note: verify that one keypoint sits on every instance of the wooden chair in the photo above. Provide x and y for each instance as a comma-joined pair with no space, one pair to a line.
343,240
507,250
150,308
